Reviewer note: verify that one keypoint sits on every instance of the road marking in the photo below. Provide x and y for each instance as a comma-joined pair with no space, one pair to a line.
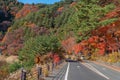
104,68
66,75
78,66
95,70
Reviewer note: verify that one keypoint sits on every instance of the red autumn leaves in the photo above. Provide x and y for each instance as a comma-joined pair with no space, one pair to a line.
77,48
101,47
104,39
55,57
102,44
92,42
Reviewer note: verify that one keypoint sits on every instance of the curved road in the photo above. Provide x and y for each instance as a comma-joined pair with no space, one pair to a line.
78,71
85,71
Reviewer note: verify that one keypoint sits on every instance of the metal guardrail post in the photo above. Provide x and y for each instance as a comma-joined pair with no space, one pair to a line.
52,66
39,72
23,74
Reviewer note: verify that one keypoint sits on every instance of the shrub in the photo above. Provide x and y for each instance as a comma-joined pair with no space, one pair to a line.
113,57
15,66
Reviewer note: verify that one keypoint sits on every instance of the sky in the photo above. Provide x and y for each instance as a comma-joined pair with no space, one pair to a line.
39,1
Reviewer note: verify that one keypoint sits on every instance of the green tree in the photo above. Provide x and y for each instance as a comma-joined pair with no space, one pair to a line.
38,45
87,17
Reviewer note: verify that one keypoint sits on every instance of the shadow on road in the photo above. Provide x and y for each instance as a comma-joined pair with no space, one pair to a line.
69,60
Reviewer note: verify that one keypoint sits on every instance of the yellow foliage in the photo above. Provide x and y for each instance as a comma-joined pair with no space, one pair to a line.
95,54
46,73
114,57
45,70
111,58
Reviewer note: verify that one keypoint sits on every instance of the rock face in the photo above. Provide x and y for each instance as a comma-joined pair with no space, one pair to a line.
4,20
12,59
4,25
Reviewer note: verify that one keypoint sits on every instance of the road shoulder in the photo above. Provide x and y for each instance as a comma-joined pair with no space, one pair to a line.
116,68
56,71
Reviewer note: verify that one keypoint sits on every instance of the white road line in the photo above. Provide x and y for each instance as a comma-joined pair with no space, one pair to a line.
104,68
66,75
95,70
78,66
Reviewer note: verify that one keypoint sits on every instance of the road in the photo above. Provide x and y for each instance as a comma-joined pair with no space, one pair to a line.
86,71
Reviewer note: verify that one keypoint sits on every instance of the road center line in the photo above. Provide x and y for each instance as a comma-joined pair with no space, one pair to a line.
78,67
66,75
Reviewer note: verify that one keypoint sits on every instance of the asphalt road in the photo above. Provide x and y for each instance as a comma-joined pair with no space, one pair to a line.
86,71
112,74
79,72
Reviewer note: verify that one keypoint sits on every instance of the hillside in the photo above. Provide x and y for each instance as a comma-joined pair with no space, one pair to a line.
68,27
8,10
37,23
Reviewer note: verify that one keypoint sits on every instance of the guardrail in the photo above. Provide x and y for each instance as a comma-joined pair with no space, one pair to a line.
38,74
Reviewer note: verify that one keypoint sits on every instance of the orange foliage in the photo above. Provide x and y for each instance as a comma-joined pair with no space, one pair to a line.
105,38
31,25
56,58
117,33
26,10
112,14
77,48
60,9
93,39
101,45
68,44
